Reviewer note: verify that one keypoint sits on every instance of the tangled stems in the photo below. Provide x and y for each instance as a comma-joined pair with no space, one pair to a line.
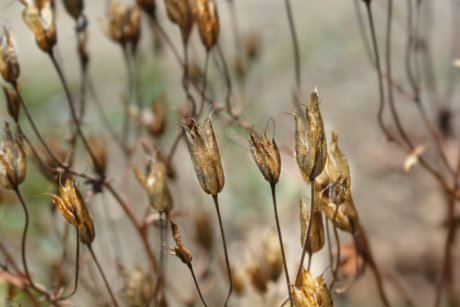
280,237
227,262
107,285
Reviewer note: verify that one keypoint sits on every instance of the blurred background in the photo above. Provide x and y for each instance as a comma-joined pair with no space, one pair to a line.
403,212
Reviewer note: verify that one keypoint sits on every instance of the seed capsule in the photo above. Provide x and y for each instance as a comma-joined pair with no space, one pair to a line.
309,292
13,162
123,24
138,288
180,13
310,141
180,250
316,238
158,122
208,22
9,65
12,103
204,151
266,156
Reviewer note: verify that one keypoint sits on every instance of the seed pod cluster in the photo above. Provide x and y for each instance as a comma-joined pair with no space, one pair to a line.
180,13
124,24
208,22
138,288
203,148
333,189
71,205
266,156
309,292
13,162
9,65
39,16
316,238
310,140
154,181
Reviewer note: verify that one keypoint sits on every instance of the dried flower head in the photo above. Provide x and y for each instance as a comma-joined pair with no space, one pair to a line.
208,22
309,292
12,103
202,145
266,155
74,8
13,162
138,288
71,205
316,238
9,65
180,13
39,16
124,24
310,140
99,149
148,6
153,180
180,250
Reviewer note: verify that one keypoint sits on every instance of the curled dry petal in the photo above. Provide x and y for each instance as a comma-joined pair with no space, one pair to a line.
208,22
204,151
266,156
13,162
9,65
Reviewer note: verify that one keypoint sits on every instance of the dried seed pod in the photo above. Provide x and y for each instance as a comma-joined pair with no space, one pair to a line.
180,250
123,24
12,103
13,162
71,205
272,259
266,156
323,294
74,8
310,141
180,13
138,288
208,22
148,6
99,149
257,278
39,16
309,292
316,238
158,122
9,65
203,231
204,151
133,26
238,282
303,297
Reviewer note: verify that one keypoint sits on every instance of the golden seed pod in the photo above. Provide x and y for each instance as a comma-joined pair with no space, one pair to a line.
272,259
204,151
180,250
71,205
316,238
208,22
39,16
158,123
99,149
203,231
180,13
323,294
309,292
148,6
266,156
9,65
138,288
310,140
12,103
303,297
74,8
13,162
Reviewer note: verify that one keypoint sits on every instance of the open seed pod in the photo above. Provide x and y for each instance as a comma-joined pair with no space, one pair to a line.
316,238
13,162
9,64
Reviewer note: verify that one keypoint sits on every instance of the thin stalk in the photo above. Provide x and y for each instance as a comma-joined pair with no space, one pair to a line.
307,235
227,262
190,267
77,269
107,285
127,104
186,80
280,237
335,268
228,81
295,43
205,83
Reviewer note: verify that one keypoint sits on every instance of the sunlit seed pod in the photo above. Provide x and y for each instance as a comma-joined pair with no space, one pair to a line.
316,238
148,6
12,103
180,13
208,22
266,156
203,231
13,162
305,280
99,149
9,64
344,217
204,151
74,8
323,294
138,288
180,250
303,297
272,259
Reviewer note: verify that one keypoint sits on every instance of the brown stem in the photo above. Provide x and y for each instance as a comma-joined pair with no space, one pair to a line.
335,269
190,267
227,262
186,80
280,238
295,43
77,269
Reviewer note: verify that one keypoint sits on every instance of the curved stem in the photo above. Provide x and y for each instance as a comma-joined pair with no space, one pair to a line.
77,269
227,262
280,237
107,285
190,267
